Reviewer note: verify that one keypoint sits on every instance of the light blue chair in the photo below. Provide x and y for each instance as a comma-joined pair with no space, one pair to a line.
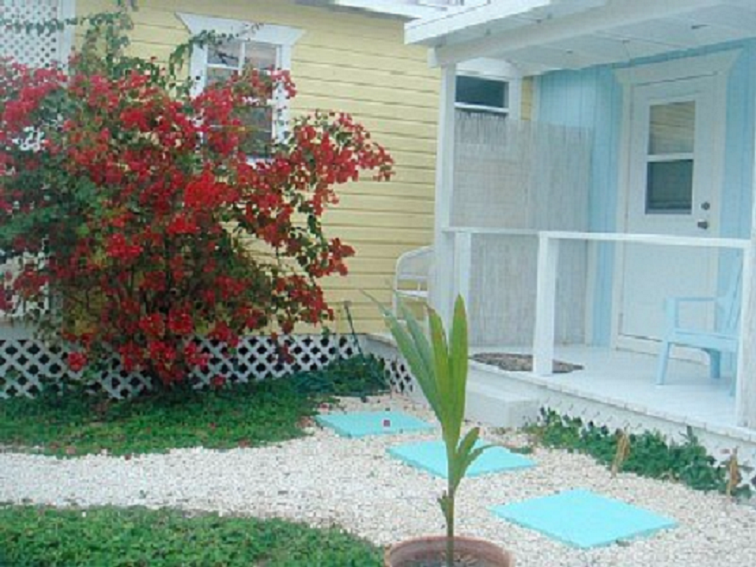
714,342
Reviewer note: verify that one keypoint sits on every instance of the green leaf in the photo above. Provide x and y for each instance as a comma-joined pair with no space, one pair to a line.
458,361
464,455
426,352
411,351
443,378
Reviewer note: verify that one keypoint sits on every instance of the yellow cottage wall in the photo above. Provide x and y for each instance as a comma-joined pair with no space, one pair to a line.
353,62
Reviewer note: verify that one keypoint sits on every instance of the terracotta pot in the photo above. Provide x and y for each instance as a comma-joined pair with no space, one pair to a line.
408,552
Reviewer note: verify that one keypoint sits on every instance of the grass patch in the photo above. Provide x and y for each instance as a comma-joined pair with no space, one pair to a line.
648,454
137,537
246,415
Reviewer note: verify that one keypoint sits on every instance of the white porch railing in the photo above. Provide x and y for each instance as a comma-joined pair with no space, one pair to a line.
549,246
548,255
458,257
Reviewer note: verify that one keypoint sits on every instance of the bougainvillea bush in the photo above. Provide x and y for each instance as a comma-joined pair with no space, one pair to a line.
130,209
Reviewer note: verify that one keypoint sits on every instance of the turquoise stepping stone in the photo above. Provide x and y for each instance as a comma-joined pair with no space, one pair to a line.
430,456
361,424
583,519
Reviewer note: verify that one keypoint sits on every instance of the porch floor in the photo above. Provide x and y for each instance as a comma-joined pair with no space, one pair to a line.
626,380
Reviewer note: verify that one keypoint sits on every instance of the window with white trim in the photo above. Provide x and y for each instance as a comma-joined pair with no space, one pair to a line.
483,94
261,46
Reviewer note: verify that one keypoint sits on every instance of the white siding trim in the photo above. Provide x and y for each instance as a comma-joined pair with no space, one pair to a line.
676,69
496,69
266,33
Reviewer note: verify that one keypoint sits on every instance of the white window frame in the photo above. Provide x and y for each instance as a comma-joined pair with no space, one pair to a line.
283,38
494,70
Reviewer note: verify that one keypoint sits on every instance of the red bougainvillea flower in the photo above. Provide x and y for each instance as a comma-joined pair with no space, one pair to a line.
76,361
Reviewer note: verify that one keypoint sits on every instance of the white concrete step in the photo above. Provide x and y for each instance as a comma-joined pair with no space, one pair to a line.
498,407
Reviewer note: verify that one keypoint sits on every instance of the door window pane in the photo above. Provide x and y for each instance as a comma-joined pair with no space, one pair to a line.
672,128
670,187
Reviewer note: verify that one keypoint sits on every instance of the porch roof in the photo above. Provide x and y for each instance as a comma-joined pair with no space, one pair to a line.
543,35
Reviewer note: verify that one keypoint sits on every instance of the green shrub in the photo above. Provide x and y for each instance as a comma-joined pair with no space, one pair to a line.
651,454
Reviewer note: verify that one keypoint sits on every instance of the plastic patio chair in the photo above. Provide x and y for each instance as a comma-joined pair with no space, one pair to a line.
712,342
412,276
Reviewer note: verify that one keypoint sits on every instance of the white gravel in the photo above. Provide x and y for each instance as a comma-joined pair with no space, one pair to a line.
325,479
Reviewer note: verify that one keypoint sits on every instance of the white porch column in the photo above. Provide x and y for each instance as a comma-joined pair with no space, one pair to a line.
442,288
543,341
745,392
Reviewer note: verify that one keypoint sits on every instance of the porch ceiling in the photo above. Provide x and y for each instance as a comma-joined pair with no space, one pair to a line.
543,35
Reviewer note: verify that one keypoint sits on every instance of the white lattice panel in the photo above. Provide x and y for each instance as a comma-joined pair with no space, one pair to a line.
32,49
26,364
400,377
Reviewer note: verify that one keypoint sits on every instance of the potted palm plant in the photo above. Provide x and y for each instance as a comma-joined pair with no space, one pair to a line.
440,365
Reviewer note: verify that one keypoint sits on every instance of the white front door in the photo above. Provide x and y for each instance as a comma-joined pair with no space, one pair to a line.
672,187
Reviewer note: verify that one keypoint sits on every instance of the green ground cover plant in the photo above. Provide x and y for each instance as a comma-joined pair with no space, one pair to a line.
241,415
360,375
137,537
649,454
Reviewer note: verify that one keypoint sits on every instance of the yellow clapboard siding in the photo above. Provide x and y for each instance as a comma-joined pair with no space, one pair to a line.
381,203
407,175
380,250
414,160
353,62
387,93
414,144
355,59
392,189
370,108
324,72
315,20
364,266
376,219
359,282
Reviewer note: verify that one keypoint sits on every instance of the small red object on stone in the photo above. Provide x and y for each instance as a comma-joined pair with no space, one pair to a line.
386,423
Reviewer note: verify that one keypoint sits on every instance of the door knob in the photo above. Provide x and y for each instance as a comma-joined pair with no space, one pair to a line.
703,224
705,205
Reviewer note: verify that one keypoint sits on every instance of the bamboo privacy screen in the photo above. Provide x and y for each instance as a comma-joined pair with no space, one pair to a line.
527,176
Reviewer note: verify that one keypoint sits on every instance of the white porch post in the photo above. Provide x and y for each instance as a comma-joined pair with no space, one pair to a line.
745,391
543,341
442,288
